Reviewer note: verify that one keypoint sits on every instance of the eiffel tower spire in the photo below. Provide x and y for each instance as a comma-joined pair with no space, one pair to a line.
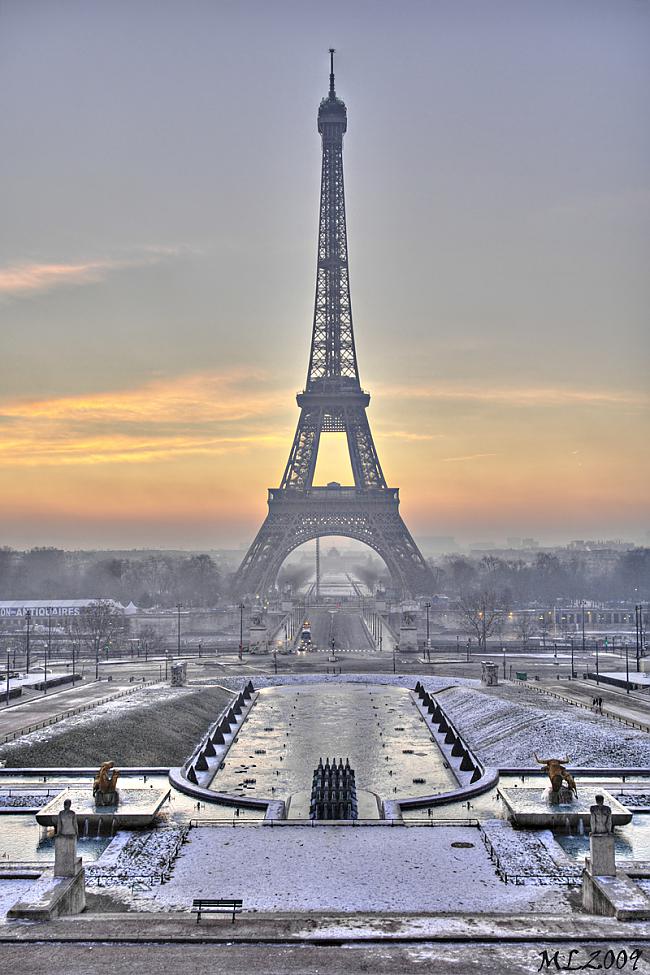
333,402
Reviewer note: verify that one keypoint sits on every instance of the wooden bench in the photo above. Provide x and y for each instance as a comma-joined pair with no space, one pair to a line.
203,905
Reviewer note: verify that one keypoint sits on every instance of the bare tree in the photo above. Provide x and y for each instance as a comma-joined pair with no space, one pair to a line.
483,611
98,626
150,639
526,626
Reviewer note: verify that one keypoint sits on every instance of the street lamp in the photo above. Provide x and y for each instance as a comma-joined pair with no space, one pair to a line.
572,668
504,662
48,649
627,669
28,617
241,630
8,654
597,671
178,629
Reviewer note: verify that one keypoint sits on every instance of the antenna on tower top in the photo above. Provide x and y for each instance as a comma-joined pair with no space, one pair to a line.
332,93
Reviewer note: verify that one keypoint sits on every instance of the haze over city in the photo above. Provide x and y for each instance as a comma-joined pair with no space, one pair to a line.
158,250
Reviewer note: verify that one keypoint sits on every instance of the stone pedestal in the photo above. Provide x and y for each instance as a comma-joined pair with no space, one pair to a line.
52,896
66,861
602,861
489,673
408,638
179,674
103,799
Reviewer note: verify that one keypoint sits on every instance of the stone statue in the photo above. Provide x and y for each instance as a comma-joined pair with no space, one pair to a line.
105,785
66,821
601,816
558,774
602,852
65,842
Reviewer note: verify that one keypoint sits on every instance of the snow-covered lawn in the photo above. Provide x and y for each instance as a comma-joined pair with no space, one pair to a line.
529,856
506,724
345,869
150,697
136,855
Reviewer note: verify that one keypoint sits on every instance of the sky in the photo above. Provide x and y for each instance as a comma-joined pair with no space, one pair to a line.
159,195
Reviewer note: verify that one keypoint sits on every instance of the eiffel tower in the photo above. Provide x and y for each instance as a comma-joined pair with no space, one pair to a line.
333,402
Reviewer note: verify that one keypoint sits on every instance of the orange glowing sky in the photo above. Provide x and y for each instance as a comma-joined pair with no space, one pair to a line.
157,265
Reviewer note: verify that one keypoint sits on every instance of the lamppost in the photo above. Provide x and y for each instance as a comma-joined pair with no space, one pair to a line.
572,668
582,604
178,629
97,657
28,617
48,649
427,606
394,662
241,630
504,662
627,669
597,670
8,654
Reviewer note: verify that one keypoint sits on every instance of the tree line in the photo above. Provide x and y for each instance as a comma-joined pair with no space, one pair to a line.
152,580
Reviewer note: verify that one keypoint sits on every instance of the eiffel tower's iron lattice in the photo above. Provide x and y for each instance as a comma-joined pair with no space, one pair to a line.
333,402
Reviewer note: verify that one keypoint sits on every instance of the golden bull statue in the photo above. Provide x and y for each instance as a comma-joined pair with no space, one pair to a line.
557,773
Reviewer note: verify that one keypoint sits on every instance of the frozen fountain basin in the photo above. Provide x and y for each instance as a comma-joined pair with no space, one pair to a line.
531,808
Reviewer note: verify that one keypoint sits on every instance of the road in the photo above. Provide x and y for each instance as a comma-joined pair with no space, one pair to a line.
344,627
347,958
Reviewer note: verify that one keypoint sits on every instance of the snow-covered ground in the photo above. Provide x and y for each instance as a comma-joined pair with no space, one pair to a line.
528,856
397,680
137,855
506,724
345,869
10,892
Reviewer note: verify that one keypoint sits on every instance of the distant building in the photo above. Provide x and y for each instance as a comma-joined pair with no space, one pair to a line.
11,608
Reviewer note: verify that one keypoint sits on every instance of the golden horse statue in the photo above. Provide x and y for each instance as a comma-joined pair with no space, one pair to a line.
557,773
106,778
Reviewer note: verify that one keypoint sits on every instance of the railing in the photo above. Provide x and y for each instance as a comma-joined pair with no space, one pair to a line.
70,712
249,821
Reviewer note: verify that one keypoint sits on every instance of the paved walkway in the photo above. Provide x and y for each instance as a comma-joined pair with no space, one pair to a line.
617,704
346,958
42,709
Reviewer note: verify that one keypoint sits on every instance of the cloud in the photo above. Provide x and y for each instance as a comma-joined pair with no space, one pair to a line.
199,414
534,396
24,279
455,460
